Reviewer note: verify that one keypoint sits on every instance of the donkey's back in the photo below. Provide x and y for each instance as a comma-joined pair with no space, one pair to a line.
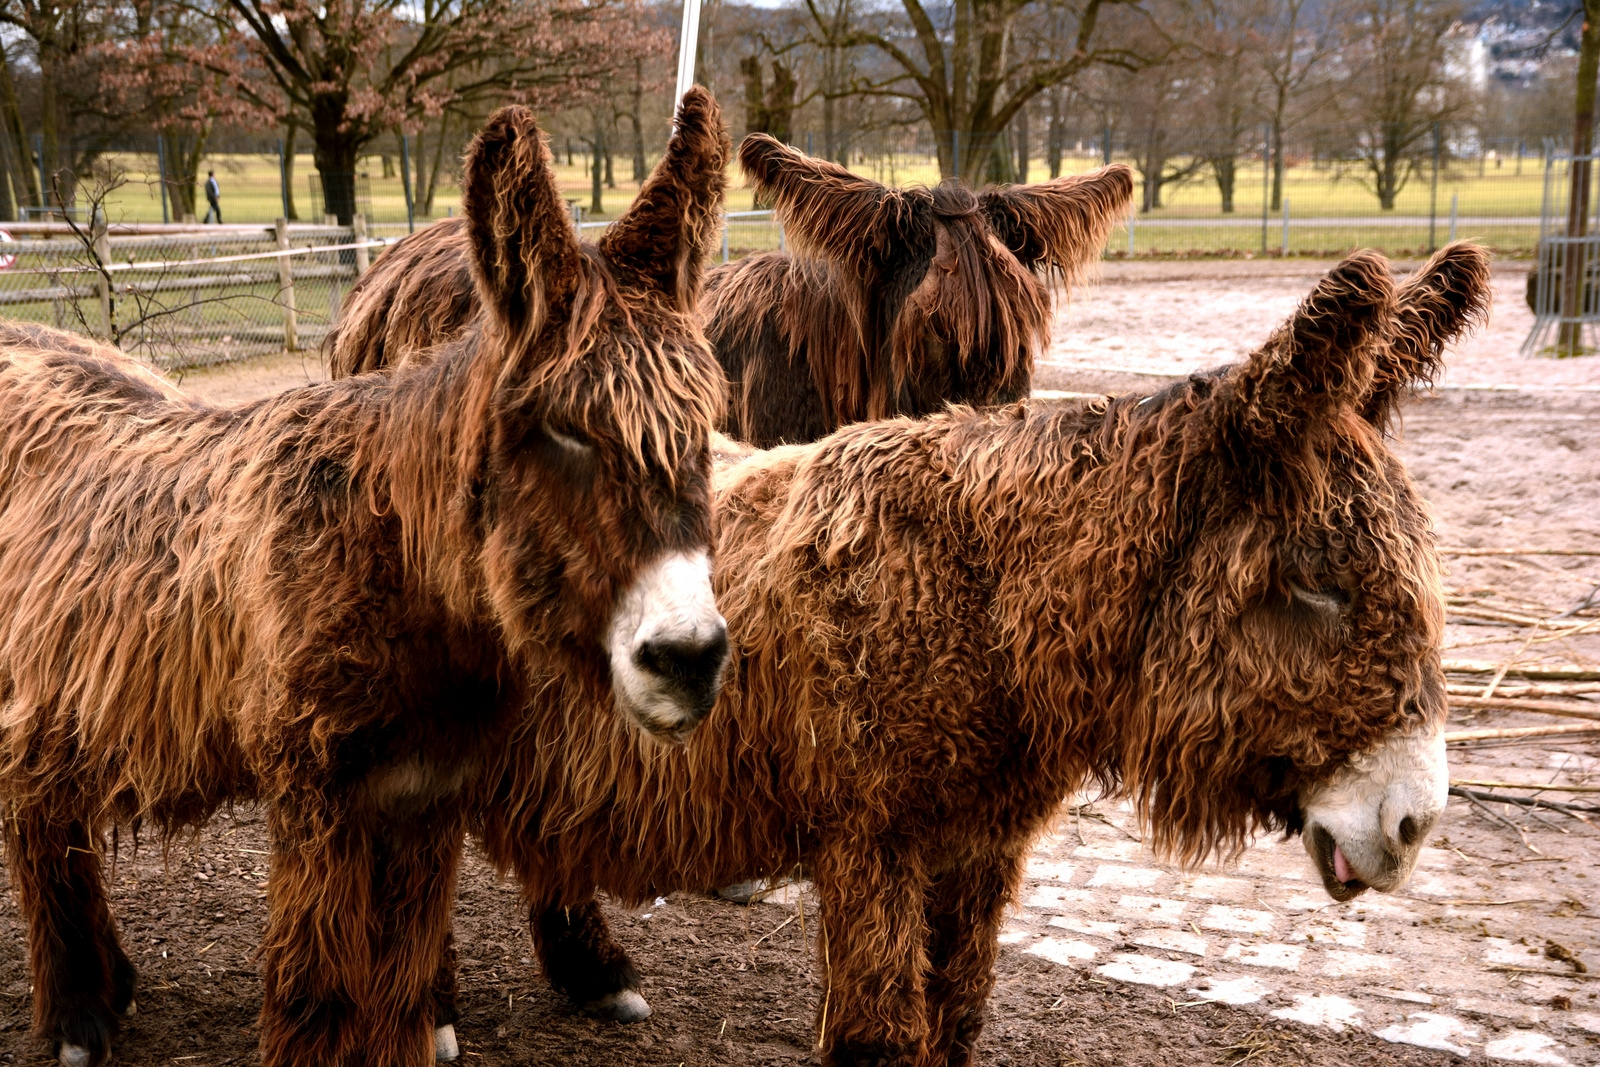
132,519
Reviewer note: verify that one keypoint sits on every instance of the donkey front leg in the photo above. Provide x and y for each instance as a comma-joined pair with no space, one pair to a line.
965,909
82,979
446,992
581,960
316,953
872,940
416,862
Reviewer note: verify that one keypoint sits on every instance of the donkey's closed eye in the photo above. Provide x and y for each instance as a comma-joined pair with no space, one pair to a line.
1328,600
571,441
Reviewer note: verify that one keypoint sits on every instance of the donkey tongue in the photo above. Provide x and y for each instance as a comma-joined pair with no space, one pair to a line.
1341,868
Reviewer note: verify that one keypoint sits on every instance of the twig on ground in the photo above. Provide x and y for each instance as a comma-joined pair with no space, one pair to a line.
1506,968
1519,731
1561,673
1570,709
1502,820
1575,810
1583,605
1537,786
1525,691
1519,551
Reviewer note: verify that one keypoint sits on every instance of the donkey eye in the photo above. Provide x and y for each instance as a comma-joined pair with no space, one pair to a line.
1328,599
568,440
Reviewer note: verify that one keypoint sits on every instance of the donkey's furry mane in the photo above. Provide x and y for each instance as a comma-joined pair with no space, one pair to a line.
937,289
896,301
339,600
944,627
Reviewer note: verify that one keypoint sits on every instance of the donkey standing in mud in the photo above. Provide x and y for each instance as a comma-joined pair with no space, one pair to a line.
1221,601
894,301
341,601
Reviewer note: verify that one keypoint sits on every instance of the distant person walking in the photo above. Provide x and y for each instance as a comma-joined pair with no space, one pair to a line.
213,197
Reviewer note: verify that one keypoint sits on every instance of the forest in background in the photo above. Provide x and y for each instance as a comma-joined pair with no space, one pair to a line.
1188,91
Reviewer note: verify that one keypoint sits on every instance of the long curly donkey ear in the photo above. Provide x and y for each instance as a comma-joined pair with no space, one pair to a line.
1061,225
524,250
665,237
1433,308
1315,365
827,212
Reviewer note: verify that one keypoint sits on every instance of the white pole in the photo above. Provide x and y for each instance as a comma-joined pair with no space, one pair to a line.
688,45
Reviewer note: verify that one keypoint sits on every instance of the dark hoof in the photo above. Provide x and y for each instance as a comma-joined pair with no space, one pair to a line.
624,1006
124,979
84,1036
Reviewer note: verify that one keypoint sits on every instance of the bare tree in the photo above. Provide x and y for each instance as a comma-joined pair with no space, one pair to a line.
1398,88
1295,44
958,67
1224,45
1573,280
358,69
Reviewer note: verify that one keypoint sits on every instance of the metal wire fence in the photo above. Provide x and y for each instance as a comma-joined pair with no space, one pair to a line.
1314,190
186,295
182,297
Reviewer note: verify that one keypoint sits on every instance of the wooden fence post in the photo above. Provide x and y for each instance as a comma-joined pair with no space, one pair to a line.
360,227
286,288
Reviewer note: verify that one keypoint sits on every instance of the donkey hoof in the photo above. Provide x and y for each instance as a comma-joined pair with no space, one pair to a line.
745,892
74,1056
445,1049
625,1006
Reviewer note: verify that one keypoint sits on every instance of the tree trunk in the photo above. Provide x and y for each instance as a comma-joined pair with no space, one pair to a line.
1153,162
288,172
999,171
24,178
1056,139
1024,144
977,148
611,173
1277,161
438,165
780,102
1387,175
189,165
640,172
1575,271
828,145
58,186
8,202
183,165
755,96
419,160
1224,167
335,154
597,157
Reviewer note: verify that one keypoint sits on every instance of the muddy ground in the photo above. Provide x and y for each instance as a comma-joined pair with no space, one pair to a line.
1110,958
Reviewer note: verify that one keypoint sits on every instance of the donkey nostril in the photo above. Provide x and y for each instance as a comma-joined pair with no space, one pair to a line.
1409,831
694,666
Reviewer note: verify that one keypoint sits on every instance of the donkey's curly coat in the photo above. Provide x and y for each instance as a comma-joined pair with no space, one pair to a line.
340,601
894,301
1208,600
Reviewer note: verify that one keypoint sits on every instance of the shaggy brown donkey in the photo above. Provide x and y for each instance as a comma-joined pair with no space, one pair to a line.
1222,601
342,601
897,301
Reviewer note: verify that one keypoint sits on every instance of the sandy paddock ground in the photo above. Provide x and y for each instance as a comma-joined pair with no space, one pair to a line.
1109,957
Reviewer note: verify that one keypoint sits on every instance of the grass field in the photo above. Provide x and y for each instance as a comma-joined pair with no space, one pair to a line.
250,190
